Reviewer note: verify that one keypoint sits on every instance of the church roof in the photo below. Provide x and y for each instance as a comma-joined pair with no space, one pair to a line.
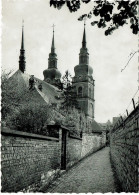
49,93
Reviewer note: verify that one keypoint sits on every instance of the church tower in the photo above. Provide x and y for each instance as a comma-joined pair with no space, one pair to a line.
22,62
83,82
52,75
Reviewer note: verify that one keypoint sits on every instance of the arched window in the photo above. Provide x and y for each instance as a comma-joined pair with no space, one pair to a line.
80,91
91,109
90,92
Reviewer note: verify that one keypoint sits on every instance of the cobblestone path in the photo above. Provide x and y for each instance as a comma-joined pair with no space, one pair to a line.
93,174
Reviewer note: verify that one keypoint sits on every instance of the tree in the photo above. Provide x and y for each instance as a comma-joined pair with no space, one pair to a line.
11,94
75,120
72,118
109,15
69,94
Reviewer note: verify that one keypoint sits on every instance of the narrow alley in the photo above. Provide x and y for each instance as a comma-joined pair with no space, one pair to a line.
93,174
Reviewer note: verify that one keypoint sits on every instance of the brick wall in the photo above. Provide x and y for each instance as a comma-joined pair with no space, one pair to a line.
29,158
91,142
78,148
124,152
25,158
74,147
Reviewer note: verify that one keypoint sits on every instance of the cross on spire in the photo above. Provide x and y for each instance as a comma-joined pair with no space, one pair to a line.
53,27
85,18
22,23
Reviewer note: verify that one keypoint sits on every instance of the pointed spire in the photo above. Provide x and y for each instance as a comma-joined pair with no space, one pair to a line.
53,44
52,75
84,37
84,55
52,61
22,43
22,61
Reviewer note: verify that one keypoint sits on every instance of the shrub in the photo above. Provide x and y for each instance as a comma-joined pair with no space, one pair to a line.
31,118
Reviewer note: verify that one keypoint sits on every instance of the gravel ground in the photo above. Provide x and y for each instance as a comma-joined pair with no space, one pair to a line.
93,174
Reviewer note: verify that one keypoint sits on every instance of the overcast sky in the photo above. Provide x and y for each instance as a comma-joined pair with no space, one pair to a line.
108,54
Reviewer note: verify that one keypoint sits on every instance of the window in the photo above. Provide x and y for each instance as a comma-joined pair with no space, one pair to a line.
91,108
90,92
80,91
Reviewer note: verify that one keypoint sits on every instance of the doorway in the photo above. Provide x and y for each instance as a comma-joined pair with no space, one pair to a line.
63,150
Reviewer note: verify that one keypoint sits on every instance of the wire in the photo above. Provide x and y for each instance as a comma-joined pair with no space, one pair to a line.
125,112
132,54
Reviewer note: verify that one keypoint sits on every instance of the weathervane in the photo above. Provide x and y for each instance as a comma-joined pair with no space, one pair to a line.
22,23
53,27
85,18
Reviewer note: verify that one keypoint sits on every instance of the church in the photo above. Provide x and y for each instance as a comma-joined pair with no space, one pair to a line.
47,90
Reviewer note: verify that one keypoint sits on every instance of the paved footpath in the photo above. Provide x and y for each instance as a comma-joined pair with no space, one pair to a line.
93,174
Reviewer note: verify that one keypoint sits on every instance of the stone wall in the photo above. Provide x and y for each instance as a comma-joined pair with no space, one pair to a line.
25,158
74,147
124,152
91,143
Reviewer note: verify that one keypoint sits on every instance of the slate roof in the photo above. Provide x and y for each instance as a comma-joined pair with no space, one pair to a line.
96,127
49,93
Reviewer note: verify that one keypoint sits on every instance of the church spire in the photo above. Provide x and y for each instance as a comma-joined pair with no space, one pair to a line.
53,42
22,61
84,38
84,55
22,43
52,61
52,75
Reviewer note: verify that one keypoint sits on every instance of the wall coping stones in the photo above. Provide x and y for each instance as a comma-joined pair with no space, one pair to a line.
8,131
93,133
59,126
74,137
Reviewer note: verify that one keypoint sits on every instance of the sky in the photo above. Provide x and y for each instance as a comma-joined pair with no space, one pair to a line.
107,54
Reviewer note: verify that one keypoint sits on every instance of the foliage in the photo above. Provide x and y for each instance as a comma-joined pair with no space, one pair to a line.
73,5
31,118
34,118
11,94
110,14
72,118
69,94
